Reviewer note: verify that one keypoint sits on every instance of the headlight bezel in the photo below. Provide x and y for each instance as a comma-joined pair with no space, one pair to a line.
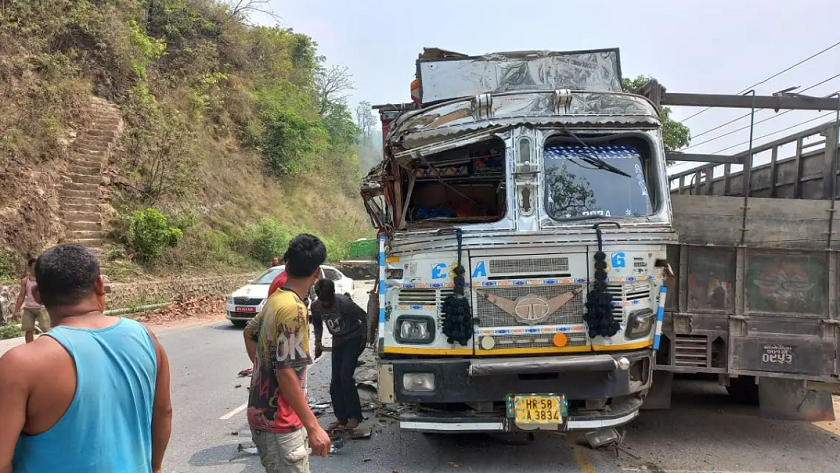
410,374
430,329
636,320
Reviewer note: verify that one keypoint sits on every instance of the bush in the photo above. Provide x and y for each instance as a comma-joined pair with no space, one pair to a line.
150,233
8,269
10,331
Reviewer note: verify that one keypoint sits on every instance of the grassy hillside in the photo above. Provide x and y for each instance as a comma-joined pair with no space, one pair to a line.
229,132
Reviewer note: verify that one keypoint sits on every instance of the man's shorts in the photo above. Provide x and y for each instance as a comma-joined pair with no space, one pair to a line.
282,453
27,320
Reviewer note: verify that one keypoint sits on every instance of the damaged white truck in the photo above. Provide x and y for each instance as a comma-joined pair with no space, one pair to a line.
527,246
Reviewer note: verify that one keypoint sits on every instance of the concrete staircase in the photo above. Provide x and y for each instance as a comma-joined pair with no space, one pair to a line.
81,195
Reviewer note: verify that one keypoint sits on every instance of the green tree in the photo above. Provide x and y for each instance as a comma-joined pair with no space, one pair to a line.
150,233
674,134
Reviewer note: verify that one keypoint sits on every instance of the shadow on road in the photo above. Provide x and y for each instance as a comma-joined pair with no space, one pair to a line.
706,431
226,455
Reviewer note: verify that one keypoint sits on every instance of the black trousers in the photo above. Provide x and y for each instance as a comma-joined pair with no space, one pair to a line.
345,396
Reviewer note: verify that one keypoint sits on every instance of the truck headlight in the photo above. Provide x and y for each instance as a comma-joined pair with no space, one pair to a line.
639,324
230,300
419,382
416,329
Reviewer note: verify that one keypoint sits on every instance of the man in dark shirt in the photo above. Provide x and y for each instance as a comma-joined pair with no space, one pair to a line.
346,322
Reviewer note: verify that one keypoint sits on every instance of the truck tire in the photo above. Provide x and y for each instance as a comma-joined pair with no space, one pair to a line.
743,390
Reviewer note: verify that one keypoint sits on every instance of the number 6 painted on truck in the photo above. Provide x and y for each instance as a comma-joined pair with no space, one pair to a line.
617,260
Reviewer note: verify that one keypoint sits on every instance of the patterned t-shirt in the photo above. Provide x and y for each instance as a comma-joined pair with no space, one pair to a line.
281,330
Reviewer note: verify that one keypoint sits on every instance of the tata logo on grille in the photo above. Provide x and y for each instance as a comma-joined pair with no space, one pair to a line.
530,308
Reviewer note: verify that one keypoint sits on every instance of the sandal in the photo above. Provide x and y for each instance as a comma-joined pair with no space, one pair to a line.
352,424
337,425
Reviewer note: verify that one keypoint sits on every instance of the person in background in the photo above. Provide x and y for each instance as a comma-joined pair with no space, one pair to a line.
279,280
277,341
274,262
347,324
90,396
32,310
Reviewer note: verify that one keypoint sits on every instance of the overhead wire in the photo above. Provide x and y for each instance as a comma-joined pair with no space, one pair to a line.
747,116
771,77
776,132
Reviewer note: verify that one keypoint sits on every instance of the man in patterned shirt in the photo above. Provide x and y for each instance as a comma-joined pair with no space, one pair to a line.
277,340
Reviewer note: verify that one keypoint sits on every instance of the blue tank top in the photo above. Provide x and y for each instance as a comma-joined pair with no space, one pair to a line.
107,427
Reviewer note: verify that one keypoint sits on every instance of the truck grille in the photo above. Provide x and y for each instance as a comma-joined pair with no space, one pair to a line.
527,267
490,315
423,297
690,350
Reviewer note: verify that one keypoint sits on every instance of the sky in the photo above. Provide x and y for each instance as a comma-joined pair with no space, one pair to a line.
709,46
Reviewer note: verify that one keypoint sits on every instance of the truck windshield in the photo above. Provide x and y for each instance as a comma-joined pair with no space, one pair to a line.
575,188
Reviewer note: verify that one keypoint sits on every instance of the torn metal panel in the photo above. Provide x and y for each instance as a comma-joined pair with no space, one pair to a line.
561,107
446,78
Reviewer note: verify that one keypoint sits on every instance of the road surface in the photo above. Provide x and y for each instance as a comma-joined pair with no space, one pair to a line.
702,433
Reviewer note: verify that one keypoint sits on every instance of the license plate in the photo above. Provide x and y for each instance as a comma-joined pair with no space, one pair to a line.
247,310
537,408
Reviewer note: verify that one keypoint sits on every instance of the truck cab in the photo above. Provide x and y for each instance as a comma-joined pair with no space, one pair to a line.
524,218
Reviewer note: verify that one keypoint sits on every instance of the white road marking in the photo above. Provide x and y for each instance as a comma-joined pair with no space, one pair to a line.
234,412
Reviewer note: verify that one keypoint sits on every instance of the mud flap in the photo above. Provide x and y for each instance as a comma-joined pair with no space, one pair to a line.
659,394
789,399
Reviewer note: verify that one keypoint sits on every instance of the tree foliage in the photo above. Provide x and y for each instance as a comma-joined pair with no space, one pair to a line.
150,233
197,83
675,135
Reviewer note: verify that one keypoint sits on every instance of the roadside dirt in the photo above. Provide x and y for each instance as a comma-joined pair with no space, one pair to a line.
185,313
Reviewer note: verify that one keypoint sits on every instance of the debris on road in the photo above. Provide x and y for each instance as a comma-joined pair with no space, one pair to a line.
237,386
249,450
454,465
246,372
197,307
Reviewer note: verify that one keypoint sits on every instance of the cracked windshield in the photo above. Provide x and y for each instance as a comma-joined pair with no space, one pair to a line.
244,236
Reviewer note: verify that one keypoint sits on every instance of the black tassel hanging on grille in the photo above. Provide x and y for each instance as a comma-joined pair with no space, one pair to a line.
457,315
599,302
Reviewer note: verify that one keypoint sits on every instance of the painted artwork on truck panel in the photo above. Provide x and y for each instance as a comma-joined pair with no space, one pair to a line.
711,279
785,283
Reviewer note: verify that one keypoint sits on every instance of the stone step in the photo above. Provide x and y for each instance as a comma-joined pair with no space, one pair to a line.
85,170
106,133
86,234
101,118
80,186
80,193
81,213
84,145
81,204
88,242
87,160
74,226
92,178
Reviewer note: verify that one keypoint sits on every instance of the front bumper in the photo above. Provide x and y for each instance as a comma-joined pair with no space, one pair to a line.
621,413
232,314
469,394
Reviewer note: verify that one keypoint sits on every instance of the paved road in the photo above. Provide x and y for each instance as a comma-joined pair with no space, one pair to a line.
702,433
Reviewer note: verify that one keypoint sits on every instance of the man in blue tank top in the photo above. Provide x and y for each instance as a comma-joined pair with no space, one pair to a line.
92,395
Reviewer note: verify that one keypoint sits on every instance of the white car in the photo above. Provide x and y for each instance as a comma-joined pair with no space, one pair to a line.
248,300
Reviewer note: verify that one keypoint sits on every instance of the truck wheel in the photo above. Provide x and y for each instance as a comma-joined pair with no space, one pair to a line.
743,390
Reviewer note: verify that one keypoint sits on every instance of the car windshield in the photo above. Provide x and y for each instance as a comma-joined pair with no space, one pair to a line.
268,276
577,189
